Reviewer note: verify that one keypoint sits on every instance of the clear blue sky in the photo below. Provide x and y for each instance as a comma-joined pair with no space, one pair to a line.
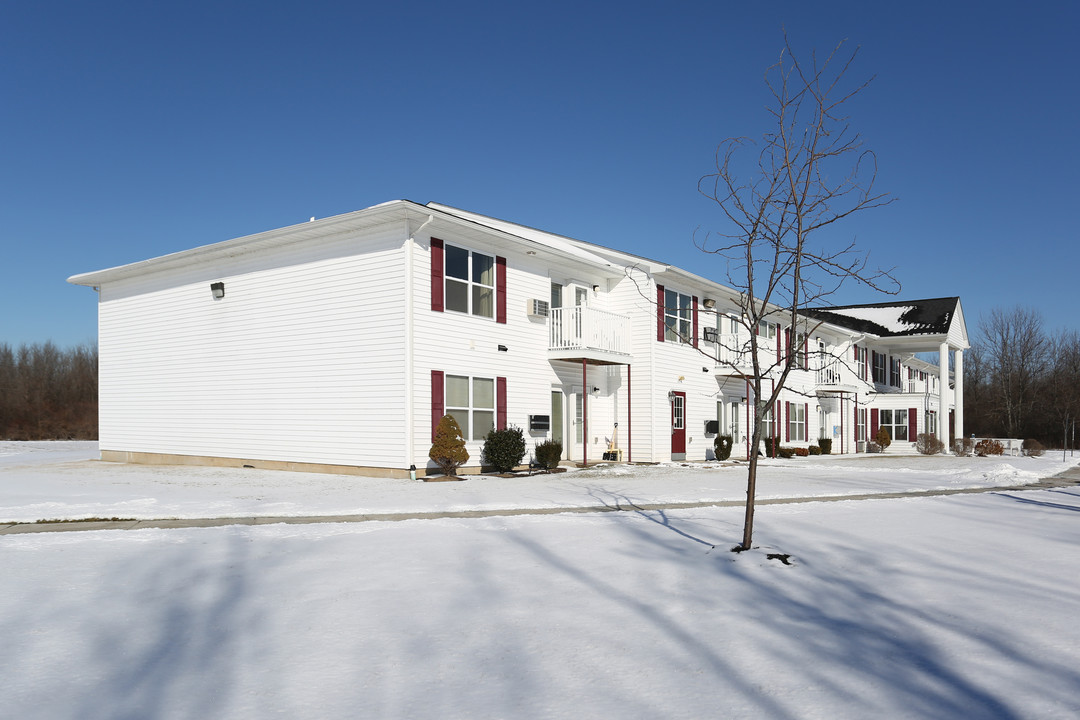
131,130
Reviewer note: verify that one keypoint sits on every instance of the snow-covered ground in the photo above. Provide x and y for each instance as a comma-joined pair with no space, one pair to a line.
61,481
947,607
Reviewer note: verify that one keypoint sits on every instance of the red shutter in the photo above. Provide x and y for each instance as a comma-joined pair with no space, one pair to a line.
438,400
855,349
787,422
873,424
660,313
694,314
806,421
912,425
437,275
500,403
500,289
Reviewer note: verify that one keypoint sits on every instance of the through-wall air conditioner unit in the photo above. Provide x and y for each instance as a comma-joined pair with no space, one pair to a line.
711,335
537,308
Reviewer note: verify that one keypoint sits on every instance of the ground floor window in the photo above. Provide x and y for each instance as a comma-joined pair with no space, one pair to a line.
471,401
860,425
896,422
931,423
796,422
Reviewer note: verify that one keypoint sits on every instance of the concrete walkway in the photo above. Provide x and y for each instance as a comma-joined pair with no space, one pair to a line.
1067,478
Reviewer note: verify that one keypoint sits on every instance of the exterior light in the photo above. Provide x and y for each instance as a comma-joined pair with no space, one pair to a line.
709,303
218,289
596,288
502,348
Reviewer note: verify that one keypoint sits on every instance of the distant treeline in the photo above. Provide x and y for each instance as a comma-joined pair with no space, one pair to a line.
47,393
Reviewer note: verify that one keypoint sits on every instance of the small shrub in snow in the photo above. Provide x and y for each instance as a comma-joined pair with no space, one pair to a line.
768,447
786,453
1033,448
883,438
548,454
802,452
825,445
873,447
722,446
503,449
448,450
928,444
989,446
816,450
962,446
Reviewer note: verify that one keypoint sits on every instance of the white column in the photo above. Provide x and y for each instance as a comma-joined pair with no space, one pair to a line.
943,395
958,394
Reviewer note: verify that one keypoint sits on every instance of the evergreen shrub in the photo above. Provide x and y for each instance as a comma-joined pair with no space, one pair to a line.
816,450
722,446
448,450
825,445
548,454
883,438
1033,448
503,449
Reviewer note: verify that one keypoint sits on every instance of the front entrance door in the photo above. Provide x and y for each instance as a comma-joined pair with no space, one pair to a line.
678,426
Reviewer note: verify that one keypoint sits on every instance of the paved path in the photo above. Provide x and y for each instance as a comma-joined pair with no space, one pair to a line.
1070,477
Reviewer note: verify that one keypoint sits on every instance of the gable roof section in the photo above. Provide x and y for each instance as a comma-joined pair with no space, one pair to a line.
893,319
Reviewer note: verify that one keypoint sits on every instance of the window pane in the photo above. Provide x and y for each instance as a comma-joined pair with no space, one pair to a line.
484,422
483,393
556,295
670,334
462,417
457,296
684,305
483,269
671,301
457,262
483,301
886,417
457,391
684,330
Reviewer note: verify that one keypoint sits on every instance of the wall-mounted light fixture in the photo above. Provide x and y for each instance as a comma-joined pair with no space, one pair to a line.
671,396
595,390
218,290
596,288
709,303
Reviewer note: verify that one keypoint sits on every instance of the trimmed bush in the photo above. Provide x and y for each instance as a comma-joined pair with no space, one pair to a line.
883,438
786,453
548,454
928,444
802,452
989,446
448,451
1033,448
872,447
768,442
816,450
825,445
963,446
503,449
722,446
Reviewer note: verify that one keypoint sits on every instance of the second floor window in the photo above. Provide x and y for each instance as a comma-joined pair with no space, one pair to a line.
470,282
894,372
860,361
678,314
879,368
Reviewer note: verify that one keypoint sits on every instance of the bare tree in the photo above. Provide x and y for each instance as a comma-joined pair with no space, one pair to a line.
1017,352
811,172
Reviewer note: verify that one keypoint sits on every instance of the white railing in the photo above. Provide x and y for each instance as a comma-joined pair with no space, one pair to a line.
828,376
731,350
585,328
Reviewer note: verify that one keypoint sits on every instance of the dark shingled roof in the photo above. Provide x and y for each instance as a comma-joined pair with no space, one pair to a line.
916,317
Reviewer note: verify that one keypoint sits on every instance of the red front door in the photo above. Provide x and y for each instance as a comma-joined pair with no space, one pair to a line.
678,426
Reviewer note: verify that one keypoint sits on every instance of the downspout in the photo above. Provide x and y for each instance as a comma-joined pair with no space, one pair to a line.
410,385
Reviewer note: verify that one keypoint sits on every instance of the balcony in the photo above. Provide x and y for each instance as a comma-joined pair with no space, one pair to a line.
732,352
584,333
828,381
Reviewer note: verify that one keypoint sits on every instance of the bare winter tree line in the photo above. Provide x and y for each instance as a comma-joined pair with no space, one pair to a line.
1021,381
47,393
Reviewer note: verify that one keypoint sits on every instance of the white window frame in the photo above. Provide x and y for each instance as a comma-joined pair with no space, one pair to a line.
678,317
861,362
475,288
475,409
860,425
892,425
796,422
880,373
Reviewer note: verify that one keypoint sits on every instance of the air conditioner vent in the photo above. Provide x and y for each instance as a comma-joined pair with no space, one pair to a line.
537,308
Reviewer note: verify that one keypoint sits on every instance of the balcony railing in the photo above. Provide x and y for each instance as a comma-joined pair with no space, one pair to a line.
828,376
585,328
732,350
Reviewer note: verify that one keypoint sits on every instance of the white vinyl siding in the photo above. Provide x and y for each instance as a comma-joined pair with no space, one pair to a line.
300,361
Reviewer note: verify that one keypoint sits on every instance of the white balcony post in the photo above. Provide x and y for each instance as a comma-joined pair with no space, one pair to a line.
958,395
943,394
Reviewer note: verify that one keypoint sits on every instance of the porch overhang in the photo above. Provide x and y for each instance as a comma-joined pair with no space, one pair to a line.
590,356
